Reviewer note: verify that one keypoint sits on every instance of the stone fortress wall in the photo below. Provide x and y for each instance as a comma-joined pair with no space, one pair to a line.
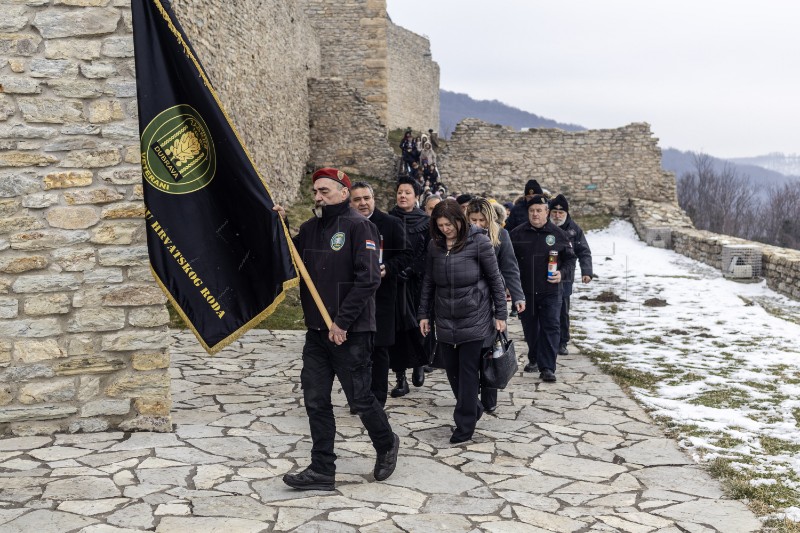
780,267
597,170
83,336
83,340
413,82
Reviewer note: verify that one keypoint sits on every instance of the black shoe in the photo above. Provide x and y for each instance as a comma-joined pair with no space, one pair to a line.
459,440
562,350
531,367
418,376
401,389
428,368
491,409
310,480
387,461
513,313
548,376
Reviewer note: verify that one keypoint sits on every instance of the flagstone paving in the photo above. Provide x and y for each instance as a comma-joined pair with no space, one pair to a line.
574,456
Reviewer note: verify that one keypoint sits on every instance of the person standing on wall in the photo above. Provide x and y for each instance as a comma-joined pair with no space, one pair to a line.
482,215
339,247
559,215
464,289
408,350
533,242
394,256
519,213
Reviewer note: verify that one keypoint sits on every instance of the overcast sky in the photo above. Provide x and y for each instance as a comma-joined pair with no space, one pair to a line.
717,76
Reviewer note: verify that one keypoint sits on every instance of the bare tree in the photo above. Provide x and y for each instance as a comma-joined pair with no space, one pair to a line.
717,200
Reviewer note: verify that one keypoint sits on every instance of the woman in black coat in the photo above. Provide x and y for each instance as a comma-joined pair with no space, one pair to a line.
464,289
408,350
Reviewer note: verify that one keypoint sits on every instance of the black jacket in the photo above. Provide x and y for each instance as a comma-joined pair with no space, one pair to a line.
579,246
415,226
532,247
464,290
340,251
509,268
518,215
396,257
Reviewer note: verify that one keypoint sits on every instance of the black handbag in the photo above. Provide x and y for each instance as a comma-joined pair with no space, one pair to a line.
499,363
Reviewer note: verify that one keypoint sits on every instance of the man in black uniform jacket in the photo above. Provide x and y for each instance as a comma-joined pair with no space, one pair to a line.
394,255
532,243
339,247
559,215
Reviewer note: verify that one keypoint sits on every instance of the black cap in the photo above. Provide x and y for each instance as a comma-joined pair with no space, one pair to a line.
464,198
537,199
560,202
532,187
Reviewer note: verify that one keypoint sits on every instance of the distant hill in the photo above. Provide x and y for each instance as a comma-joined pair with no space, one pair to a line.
786,164
455,107
681,162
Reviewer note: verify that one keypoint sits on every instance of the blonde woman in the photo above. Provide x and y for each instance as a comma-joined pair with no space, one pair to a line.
480,213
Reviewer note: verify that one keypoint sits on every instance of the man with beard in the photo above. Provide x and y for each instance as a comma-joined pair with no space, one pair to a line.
559,215
394,255
339,247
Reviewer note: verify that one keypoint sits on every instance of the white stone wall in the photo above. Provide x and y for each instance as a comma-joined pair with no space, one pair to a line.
83,344
413,82
597,170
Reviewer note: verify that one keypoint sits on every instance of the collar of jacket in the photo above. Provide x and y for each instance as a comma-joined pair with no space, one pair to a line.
335,210
548,226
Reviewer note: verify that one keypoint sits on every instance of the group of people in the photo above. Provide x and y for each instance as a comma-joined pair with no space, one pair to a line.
423,281
419,161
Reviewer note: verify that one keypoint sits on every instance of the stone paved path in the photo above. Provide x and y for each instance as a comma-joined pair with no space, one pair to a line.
573,456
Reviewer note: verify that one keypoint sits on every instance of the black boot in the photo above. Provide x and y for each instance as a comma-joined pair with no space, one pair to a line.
401,389
418,376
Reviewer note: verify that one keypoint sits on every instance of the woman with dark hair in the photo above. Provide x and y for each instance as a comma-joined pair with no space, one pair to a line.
463,288
408,350
481,213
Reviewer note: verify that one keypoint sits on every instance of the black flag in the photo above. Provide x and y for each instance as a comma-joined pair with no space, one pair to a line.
216,247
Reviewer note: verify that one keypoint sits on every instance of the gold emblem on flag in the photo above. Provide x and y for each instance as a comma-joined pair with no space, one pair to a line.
178,155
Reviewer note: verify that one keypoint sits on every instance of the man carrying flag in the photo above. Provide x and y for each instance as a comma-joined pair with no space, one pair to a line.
338,246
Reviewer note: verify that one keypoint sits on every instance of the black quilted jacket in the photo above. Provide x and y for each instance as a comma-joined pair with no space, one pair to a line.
464,289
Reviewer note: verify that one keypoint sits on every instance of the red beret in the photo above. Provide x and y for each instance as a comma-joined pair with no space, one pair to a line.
331,173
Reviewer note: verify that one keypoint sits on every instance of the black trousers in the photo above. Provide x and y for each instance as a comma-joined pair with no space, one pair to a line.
565,295
462,364
350,363
542,328
380,373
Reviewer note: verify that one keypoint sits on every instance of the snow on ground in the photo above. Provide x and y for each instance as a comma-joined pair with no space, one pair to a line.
722,356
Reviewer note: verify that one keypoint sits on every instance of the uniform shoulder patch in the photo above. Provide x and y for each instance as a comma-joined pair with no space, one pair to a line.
371,245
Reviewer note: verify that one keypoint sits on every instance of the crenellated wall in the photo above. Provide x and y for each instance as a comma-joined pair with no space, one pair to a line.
598,170
413,82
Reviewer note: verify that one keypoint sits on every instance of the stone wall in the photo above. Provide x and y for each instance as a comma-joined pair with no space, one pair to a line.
597,170
259,55
83,341
413,82
780,266
354,41
345,132
83,344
